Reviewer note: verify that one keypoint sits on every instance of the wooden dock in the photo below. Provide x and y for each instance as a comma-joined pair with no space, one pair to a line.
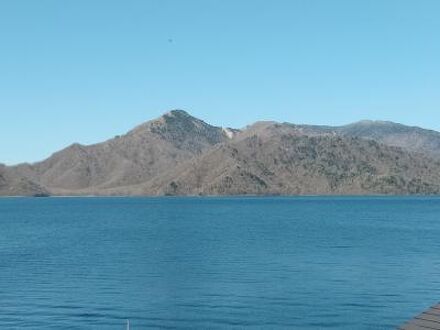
428,320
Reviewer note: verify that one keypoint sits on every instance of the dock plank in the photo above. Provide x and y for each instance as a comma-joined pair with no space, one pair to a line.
428,320
429,317
433,311
425,323
412,327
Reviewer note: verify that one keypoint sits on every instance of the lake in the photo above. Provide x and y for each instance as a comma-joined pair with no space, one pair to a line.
216,263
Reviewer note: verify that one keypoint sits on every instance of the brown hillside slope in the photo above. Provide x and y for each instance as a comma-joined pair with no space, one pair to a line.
178,154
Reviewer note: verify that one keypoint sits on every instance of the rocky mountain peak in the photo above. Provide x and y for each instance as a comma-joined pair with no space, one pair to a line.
179,113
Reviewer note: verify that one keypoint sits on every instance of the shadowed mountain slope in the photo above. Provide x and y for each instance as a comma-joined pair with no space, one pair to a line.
279,160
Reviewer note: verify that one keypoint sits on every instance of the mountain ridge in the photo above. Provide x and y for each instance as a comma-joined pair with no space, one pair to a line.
178,154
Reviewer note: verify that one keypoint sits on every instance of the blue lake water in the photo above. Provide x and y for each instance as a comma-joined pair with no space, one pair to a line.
208,263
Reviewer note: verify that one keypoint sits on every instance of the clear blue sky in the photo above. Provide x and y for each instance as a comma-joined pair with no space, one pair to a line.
86,70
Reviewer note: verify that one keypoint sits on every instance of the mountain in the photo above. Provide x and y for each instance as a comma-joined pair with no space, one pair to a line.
178,154
138,156
13,184
278,160
413,139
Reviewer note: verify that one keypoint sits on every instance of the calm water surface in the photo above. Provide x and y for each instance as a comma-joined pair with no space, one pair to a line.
264,263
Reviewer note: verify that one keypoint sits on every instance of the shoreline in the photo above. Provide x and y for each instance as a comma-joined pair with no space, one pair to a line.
227,196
